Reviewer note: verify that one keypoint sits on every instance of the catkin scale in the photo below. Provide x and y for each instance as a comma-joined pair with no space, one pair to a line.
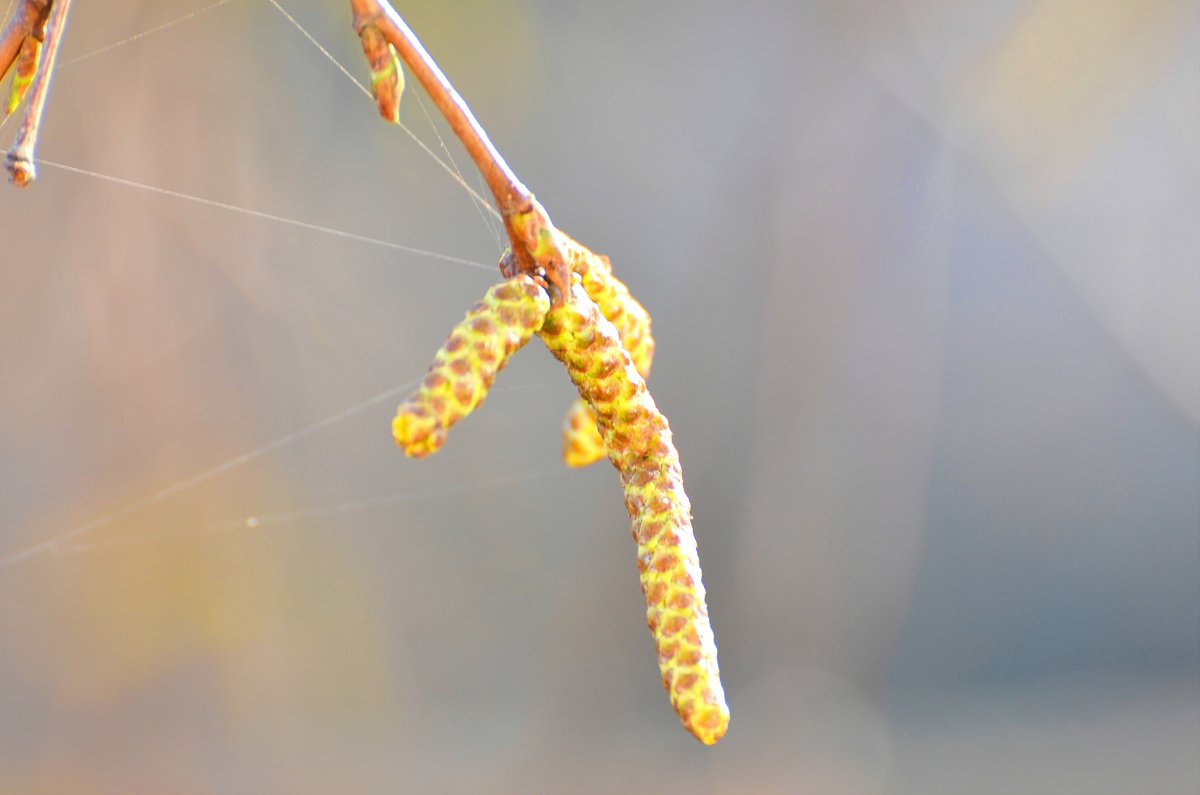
638,441
582,443
466,365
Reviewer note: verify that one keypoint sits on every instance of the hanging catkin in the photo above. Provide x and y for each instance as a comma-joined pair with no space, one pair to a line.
638,440
466,365
582,443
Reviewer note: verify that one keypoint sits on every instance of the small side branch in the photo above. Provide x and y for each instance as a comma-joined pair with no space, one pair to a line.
511,195
21,155
534,242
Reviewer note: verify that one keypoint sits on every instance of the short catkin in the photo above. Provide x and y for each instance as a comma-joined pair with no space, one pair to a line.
582,443
466,365
638,440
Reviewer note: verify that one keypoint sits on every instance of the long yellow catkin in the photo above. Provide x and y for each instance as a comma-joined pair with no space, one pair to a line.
466,365
582,442
638,440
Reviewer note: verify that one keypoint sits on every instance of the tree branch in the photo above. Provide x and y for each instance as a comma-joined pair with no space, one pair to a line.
532,234
511,195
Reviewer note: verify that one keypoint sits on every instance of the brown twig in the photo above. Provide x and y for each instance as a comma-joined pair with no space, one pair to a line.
511,195
20,156
530,230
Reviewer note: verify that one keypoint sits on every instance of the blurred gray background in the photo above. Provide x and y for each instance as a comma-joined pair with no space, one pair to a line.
924,279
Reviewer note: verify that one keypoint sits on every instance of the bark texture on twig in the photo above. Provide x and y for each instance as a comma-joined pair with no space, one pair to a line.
511,195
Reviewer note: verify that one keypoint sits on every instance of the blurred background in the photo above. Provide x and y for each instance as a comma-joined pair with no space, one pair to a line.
925,285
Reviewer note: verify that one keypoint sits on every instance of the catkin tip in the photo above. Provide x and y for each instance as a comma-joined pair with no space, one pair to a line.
710,724
416,433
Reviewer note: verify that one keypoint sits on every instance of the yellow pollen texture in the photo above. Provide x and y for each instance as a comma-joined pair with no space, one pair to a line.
582,443
638,440
466,365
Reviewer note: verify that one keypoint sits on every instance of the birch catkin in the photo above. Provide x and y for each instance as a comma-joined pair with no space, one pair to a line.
466,365
638,441
582,442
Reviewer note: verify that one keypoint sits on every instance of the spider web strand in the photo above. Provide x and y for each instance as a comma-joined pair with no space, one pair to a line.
259,521
453,172
58,543
135,37
266,216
